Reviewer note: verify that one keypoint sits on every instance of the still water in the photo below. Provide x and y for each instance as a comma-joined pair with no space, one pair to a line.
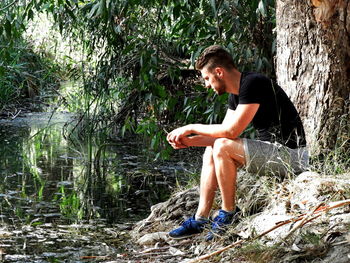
65,199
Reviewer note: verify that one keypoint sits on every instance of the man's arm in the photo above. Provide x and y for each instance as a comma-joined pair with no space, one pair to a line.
201,140
233,125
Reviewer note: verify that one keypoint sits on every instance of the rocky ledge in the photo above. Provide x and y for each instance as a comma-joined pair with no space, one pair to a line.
301,219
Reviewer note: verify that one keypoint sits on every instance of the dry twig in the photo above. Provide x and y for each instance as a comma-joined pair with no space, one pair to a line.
318,210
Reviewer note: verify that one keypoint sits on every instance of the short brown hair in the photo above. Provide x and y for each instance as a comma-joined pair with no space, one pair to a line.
215,56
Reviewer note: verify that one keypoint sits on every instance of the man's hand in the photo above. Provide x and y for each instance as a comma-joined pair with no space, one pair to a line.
175,136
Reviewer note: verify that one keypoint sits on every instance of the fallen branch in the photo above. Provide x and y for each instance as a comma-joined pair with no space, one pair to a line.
95,257
303,221
15,116
341,243
318,210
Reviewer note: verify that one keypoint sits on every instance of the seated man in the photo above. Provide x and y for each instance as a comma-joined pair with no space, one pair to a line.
279,147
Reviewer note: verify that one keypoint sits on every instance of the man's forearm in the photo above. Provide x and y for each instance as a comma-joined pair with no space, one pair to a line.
211,130
181,137
198,141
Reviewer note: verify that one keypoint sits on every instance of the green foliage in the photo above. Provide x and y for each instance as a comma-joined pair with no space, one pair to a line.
23,73
144,41
311,238
70,205
152,46
258,252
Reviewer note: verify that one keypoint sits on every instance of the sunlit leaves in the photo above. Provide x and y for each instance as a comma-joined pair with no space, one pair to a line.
142,37
143,41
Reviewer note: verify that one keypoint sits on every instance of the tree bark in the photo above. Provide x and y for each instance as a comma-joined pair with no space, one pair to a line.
313,66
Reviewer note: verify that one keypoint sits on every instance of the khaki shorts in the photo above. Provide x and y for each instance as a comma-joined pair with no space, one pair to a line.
266,158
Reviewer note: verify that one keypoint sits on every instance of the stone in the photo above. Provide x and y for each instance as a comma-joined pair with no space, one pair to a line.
153,238
176,252
300,196
164,216
265,202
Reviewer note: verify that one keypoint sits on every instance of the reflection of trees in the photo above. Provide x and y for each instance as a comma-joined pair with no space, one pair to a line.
118,190
10,148
11,174
43,174
42,154
31,169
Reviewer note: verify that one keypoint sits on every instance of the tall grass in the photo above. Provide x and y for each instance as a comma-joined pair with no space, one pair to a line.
24,75
336,161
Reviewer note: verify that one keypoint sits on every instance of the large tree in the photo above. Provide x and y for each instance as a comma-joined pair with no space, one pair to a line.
313,66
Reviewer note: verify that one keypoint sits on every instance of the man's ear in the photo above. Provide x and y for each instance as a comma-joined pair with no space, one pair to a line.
219,72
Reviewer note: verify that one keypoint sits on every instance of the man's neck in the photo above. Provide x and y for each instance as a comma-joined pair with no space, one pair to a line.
233,81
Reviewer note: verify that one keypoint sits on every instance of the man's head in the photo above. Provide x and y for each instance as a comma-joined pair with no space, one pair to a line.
215,56
213,64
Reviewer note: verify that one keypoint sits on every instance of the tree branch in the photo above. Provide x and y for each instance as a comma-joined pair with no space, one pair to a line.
8,6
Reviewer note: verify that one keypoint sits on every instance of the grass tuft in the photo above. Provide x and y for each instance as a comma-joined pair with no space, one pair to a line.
257,252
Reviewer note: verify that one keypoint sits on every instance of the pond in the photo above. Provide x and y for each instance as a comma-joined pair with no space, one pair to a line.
72,200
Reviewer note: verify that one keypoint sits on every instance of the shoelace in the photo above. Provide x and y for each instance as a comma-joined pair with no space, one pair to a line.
191,223
219,222
187,223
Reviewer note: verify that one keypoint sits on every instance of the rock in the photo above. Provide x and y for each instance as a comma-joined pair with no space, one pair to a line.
176,252
338,254
153,238
200,249
4,234
298,197
165,216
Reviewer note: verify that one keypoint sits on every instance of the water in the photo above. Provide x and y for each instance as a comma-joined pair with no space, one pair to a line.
68,199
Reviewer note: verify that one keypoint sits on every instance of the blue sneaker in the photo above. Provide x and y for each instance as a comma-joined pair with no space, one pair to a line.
221,222
188,228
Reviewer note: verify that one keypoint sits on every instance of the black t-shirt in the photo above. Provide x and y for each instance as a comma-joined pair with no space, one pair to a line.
276,119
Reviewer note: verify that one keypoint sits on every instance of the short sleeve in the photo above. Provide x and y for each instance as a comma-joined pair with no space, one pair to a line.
232,101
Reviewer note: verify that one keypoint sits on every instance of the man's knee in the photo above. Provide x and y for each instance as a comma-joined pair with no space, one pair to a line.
221,145
224,148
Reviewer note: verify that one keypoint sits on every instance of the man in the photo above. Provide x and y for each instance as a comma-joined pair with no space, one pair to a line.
279,147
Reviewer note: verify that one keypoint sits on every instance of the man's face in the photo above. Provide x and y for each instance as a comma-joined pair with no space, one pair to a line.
213,81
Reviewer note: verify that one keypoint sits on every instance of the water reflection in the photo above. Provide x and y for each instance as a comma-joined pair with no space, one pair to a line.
45,178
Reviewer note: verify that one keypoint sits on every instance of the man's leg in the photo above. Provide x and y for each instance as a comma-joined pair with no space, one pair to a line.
208,184
228,155
211,176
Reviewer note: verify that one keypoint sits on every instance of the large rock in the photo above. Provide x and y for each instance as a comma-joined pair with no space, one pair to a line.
298,197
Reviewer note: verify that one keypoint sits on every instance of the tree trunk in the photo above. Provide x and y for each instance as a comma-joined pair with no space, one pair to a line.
313,66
